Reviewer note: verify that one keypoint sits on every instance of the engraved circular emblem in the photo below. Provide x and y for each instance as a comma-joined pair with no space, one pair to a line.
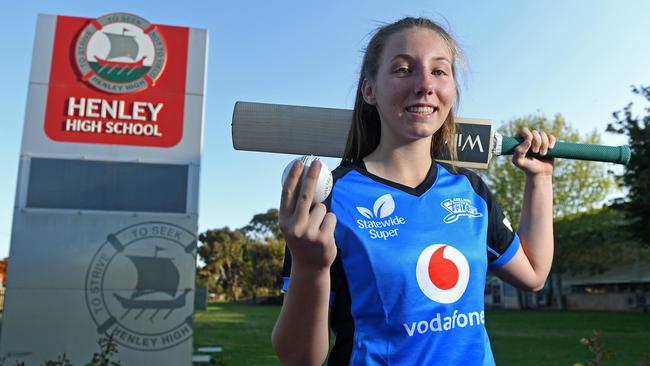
139,286
120,53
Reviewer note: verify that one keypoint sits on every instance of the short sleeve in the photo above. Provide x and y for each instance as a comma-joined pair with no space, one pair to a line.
502,241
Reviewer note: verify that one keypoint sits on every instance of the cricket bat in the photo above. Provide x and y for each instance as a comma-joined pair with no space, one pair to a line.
323,132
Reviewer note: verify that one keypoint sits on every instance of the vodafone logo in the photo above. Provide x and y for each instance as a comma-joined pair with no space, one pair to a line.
442,273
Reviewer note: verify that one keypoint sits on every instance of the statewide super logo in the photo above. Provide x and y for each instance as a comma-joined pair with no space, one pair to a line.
380,223
120,53
442,273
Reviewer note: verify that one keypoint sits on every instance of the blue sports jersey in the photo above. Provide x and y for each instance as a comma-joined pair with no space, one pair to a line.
408,281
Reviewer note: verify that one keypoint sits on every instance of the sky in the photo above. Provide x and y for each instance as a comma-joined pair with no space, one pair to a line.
576,58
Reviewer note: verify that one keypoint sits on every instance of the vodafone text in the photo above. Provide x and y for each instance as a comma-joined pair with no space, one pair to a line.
372,227
442,324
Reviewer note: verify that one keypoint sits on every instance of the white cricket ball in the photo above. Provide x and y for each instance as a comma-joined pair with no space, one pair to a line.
325,180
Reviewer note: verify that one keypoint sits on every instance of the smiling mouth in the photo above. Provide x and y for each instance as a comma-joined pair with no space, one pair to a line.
421,109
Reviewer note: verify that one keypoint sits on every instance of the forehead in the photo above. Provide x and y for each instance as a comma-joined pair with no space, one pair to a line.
416,42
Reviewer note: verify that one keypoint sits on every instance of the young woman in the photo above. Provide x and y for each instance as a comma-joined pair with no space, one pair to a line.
395,260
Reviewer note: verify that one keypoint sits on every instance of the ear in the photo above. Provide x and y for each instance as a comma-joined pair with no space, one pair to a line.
368,92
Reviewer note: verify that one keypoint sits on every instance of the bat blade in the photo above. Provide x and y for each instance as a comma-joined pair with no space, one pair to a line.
323,132
290,129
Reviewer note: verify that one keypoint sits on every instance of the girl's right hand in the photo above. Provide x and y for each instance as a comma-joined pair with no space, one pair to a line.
308,229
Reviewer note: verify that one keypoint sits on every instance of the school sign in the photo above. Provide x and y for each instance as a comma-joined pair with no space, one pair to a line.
105,219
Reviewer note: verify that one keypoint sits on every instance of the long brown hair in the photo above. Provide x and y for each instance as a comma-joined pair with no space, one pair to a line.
365,130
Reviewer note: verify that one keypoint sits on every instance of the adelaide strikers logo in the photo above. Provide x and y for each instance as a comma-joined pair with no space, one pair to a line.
442,273
120,53
138,286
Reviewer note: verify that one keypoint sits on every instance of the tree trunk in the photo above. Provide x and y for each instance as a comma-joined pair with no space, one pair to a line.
551,291
522,300
560,295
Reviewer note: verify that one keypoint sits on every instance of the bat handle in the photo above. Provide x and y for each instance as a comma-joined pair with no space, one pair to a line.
567,150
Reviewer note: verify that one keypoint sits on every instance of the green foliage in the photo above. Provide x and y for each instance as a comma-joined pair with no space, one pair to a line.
264,225
645,361
595,345
600,354
226,267
637,172
591,242
107,350
578,185
244,262
266,265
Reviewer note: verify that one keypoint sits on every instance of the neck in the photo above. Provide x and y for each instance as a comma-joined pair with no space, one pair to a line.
407,164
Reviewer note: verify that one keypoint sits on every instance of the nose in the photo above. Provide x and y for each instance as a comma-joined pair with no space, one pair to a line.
425,84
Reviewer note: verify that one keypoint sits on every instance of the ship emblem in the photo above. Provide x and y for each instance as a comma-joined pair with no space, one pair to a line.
156,275
139,286
120,53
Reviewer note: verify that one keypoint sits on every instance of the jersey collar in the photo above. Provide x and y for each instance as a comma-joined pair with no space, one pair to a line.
429,180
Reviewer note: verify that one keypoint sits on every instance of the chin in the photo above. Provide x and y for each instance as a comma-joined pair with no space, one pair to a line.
423,131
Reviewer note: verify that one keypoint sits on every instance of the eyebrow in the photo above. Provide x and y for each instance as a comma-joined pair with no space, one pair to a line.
409,57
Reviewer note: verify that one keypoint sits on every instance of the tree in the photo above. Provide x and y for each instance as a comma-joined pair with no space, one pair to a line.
224,253
637,172
243,262
578,185
264,225
266,253
591,243
266,261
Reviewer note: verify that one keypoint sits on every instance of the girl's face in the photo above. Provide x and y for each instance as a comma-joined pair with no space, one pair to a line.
414,89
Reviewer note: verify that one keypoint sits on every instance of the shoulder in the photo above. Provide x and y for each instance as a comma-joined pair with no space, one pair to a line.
473,178
339,172
342,169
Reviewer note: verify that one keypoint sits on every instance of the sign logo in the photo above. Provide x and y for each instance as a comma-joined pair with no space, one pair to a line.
459,207
111,89
120,53
442,273
138,287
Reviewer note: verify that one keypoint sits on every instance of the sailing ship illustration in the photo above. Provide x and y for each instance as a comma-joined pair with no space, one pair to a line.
156,275
121,45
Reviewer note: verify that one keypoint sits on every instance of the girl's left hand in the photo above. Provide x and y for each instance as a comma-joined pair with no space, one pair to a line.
538,142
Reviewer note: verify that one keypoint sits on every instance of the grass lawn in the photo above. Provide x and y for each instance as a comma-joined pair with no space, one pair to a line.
518,338
552,338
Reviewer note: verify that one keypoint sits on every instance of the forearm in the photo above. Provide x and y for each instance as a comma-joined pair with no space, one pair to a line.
301,334
536,226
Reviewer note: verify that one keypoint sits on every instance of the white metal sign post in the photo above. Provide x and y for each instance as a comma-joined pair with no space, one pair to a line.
105,218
